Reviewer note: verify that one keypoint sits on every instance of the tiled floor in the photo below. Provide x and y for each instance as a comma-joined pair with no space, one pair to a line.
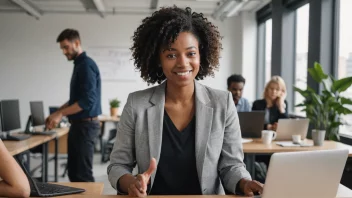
99,171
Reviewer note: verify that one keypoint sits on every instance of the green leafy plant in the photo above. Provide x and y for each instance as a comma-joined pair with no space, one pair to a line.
114,103
324,109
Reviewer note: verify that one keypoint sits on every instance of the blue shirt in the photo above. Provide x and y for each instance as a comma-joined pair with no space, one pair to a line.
85,87
243,105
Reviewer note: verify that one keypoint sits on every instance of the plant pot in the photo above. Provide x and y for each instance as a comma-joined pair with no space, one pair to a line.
114,111
318,137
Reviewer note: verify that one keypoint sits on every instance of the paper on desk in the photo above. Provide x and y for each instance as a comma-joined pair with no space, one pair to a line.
291,144
245,140
287,144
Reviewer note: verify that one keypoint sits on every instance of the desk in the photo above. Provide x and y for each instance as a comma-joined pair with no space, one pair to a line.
342,193
17,147
62,144
251,149
103,120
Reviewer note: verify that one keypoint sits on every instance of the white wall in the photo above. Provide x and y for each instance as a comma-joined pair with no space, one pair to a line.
249,60
32,66
243,30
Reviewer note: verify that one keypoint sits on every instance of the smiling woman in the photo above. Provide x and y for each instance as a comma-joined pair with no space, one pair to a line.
184,136
158,32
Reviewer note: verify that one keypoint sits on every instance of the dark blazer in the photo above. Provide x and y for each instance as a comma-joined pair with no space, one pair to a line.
275,114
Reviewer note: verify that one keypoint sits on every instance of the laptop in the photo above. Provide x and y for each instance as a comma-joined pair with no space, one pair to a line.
305,174
288,127
251,123
40,189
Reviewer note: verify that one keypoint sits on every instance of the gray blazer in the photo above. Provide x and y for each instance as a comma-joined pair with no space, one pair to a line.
219,154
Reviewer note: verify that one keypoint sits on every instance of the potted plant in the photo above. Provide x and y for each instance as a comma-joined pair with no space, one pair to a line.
114,107
324,109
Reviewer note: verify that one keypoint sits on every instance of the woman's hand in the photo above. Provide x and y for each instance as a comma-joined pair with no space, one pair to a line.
280,103
249,187
269,127
138,187
274,126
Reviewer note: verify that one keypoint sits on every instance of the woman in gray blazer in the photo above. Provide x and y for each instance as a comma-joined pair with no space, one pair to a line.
183,136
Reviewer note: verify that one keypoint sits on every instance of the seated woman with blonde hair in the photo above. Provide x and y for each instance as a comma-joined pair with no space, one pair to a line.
273,102
13,181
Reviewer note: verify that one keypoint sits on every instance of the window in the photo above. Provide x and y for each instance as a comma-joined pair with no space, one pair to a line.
301,61
268,43
345,53
264,54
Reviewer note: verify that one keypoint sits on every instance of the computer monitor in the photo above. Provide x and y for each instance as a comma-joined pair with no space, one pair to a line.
37,112
10,115
53,109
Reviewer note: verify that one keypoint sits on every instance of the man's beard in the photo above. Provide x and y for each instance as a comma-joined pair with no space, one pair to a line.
72,56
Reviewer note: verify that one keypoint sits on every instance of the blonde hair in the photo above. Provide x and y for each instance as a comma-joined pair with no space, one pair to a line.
282,86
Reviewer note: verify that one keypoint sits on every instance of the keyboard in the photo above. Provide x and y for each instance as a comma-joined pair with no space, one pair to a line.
16,137
49,190
43,133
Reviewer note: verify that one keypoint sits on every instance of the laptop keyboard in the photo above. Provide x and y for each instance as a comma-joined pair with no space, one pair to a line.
43,133
16,137
47,189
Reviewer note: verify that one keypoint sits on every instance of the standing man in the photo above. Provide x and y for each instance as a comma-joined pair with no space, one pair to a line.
235,85
82,109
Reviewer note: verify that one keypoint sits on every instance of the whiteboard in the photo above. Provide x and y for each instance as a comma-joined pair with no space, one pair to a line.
114,63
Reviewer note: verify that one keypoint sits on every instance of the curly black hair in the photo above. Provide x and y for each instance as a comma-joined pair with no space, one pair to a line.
237,78
161,30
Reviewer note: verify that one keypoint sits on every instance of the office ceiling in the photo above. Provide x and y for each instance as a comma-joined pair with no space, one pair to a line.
104,8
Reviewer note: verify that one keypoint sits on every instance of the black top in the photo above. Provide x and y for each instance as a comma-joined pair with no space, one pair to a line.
85,87
177,172
274,112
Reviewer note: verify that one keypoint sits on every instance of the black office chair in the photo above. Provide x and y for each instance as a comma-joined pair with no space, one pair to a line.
108,145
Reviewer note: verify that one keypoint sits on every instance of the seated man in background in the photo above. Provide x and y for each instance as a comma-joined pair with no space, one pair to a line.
235,85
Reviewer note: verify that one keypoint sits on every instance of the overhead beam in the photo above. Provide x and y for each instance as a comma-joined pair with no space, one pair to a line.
225,6
234,10
100,7
28,7
154,4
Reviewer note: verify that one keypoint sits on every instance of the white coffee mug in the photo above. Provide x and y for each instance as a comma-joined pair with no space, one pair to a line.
296,139
268,136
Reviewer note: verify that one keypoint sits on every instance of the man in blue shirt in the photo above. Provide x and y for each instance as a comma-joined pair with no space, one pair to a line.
82,108
235,85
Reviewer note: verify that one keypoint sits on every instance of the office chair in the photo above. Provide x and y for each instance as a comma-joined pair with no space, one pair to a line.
108,145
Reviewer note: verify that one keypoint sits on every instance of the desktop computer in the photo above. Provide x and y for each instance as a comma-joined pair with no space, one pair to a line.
53,109
37,119
37,113
10,120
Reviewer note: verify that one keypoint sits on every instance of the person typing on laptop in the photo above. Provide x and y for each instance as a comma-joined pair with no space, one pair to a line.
13,181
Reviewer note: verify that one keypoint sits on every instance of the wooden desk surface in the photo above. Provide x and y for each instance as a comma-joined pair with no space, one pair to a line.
105,118
16,147
343,192
258,147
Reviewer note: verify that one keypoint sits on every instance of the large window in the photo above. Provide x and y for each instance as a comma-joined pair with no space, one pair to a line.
302,27
345,52
268,43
